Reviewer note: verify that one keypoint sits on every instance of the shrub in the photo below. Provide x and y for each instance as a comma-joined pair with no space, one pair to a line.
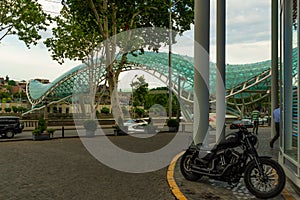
41,127
15,109
105,110
42,124
36,131
51,130
173,123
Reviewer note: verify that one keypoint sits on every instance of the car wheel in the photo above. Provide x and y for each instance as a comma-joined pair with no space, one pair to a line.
10,134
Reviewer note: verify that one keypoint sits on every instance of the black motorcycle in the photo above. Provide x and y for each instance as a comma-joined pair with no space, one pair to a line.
233,158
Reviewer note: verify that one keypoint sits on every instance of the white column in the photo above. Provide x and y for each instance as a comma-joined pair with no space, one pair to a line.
201,70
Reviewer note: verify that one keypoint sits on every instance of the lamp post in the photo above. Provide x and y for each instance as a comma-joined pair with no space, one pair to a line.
170,61
132,94
45,102
170,57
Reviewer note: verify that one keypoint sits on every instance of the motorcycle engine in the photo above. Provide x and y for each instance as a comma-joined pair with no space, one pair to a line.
226,157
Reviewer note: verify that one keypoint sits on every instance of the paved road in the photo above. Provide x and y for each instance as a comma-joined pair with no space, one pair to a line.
64,169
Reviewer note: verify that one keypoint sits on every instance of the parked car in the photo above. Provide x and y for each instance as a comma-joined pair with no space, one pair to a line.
10,126
135,122
238,123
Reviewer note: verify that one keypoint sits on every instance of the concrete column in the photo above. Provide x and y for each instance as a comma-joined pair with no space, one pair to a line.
274,55
220,82
287,74
201,70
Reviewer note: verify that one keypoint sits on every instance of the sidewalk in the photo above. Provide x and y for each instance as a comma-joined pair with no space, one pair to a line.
212,189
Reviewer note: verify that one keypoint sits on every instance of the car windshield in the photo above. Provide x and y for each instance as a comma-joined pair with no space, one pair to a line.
130,121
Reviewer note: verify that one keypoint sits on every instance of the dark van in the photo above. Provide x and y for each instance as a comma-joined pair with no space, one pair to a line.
9,126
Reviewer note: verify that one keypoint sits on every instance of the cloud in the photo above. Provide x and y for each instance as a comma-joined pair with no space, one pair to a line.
248,21
21,63
248,40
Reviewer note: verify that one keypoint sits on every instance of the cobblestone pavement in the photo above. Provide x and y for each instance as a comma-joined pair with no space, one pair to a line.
63,169
212,189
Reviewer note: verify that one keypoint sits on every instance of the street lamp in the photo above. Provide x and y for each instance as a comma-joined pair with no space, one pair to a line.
46,102
170,56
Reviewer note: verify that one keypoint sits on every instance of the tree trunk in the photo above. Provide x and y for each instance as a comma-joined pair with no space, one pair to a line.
115,100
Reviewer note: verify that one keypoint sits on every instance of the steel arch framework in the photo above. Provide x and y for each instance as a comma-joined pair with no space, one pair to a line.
245,84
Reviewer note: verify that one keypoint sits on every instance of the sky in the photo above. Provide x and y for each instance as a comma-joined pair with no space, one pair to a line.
248,40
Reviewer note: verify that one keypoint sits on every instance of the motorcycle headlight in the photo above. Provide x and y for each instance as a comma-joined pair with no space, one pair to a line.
253,139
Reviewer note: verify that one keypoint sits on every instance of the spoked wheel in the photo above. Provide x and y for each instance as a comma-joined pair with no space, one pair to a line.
268,184
185,167
10,134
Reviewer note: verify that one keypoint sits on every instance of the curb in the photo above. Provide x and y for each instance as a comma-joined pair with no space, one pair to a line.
171,181
286,195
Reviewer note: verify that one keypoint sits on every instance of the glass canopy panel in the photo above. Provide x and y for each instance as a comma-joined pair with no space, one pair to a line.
181,65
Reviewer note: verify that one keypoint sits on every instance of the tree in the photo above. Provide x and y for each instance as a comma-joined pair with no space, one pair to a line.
24,18
12,83
83,25
160,96
140,91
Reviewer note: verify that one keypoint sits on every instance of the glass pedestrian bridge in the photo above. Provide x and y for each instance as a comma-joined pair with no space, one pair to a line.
245,83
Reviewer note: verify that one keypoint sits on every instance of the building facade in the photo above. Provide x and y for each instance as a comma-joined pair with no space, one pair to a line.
289,151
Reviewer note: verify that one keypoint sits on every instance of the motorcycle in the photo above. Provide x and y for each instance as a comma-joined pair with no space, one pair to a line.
233,158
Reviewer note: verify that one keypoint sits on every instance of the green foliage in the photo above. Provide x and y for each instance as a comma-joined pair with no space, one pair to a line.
36,131
8,110
173,123
160,96
105,110
4,95
140,91
24,18
139,112
42,124
41,127
12,83
97,113
90,125
51,130
15,109
21,109
81,26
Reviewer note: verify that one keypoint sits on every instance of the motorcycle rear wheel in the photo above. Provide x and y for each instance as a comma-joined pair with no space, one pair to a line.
185,167
268,185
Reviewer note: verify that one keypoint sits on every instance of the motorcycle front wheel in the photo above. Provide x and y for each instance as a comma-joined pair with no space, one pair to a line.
268,184
185,167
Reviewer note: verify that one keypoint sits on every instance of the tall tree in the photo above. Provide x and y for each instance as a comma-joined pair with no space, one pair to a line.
85,24
140,92
24,18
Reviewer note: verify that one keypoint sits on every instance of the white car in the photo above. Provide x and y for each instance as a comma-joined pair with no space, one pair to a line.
135,122
136,125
